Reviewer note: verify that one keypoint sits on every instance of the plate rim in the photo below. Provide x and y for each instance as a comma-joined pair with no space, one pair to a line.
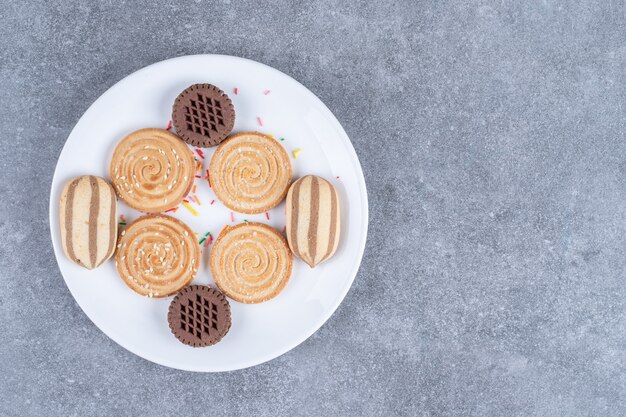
355,162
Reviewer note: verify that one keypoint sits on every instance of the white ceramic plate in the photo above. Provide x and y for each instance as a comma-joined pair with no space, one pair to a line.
259,332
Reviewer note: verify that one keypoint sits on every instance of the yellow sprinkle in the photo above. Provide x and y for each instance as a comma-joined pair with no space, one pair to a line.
188,207
197,200
296,153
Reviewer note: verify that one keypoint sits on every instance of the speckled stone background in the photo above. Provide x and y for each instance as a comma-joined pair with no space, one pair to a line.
492,137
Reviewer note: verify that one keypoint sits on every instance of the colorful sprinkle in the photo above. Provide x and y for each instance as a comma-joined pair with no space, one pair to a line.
282,139
198,176
190,198
122,218
197,200
201,240
266,92
169,125
245,220
296,153
258,119
175,209
122,224
191,209
208,241
194,188
337,176
199,152
185,201
212,201
236,91
232,216
267,215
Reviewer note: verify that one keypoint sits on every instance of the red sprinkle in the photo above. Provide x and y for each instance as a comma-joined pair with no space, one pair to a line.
267,215
212,201
210,239
266,92
172,209
122,218
236,91
232,216
186,201
169,125
337,176
199,152
198,176
206,242
191,198
260,121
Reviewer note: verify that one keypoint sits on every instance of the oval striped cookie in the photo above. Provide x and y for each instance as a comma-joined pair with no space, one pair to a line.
313,219
88,220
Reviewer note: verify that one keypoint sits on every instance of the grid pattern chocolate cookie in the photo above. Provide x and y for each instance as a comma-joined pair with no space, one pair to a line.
199,316
203,115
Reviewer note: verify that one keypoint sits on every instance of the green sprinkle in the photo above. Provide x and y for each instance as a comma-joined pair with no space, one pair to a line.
282,139
207,233
122,224
245,220
202,240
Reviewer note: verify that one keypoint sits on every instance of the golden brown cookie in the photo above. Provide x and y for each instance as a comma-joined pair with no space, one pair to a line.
88,220
152,170
250,262
313,219
157,255
250,172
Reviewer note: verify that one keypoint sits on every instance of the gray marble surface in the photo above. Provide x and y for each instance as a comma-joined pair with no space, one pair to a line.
492,137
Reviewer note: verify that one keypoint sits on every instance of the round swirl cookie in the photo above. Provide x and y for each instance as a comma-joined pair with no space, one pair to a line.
250,172
152,170
250,262
157,255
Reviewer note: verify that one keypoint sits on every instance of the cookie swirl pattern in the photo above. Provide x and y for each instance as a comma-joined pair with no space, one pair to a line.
157,255
251,262
250,172
152,170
